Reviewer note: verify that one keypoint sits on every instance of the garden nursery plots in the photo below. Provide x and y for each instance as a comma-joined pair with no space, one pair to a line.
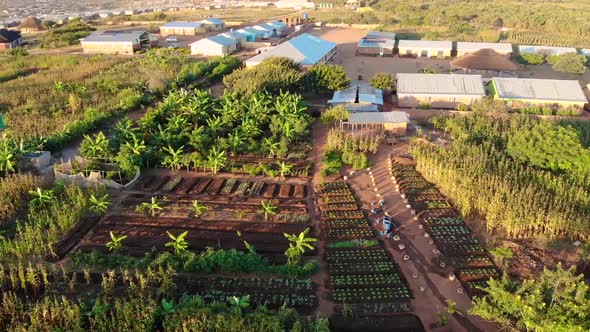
455,241
362,275
219,212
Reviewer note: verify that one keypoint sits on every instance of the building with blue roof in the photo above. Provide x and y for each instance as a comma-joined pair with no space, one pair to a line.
305,49
360,97
214,24
183,28
218,45
251,34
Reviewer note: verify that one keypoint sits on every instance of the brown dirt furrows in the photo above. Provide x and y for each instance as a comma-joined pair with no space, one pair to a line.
285,191
215,187
201,187
270,190
157,183
229,226
300,191
144,182
186,185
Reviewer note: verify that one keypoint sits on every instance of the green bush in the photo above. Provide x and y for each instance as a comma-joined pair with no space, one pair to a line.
570,63
273,75
383,81
333,114
532,58
327,77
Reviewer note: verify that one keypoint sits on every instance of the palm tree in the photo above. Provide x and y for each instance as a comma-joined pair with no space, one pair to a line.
284,168
99,205
173,160
199,208
216,160
178,242
298,245
267,209
116,242
151,207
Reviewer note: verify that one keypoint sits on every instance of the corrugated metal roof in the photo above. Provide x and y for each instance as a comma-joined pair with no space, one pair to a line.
430,44
344,96
213,20
114,36
498,47
236,34
585,51
440,84
381,35
263,27
250,31
304,49
378,117
359,108
369,94
376,43
547,50
278,23
539,89
179,24
222,40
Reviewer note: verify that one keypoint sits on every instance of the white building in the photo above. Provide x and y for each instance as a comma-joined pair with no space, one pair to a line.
218,45
304,49
425,48
545,50
470,47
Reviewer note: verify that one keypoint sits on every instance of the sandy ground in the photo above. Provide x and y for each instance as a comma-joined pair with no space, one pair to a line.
367,66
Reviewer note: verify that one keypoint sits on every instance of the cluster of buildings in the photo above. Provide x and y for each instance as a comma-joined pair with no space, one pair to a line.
228,42
384,43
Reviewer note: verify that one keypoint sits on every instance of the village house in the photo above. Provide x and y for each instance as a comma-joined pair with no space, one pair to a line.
121,42
425,48
541,92
438,90
464,48
30,24
214,24
218,45
9,39
182,28
376,43
545,50
305,49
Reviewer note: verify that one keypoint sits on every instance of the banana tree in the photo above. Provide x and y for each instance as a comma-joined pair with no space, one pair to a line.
267,209
99,205
236,141
152,207
178,242
199,208
174,157
298,246
41,198
116,242
216,160
270,146
284,168
97,148
239,302
7,160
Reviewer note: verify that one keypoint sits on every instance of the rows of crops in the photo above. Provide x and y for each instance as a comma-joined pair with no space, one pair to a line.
362,275
459,247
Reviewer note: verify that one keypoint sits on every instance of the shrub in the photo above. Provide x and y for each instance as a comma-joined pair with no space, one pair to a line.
383,81
570,63
274,74
327,77
334,113
532,58
424,106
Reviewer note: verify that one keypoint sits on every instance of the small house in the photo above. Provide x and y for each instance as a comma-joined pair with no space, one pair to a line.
438,90
122,42
9,39
30,24
305,49
395,123
238,36
545,50
376,43
360,97
529,91
218,45
251,34
182,28
214,24
464,48
425,48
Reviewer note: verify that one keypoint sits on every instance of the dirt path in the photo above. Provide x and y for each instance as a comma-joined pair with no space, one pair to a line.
430,288
325,305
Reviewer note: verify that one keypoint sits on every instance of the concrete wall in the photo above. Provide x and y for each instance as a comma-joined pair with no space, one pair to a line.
450,102
464,52
180,31
373,51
